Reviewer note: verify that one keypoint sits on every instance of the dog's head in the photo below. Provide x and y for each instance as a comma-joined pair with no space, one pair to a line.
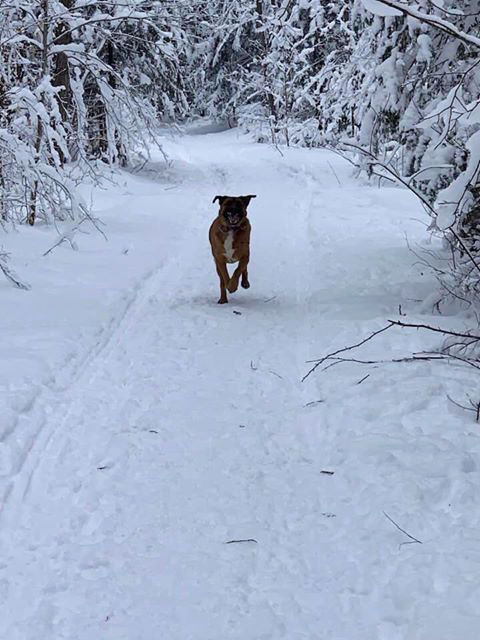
233,209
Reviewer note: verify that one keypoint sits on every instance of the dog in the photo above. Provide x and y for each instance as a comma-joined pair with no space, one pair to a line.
230,241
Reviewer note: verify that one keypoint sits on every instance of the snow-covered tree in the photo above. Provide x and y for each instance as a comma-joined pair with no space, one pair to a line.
434,145
80,81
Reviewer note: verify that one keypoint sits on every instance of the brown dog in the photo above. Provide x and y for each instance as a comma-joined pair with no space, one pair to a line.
230,240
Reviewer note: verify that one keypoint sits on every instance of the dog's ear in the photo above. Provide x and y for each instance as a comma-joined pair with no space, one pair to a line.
246,199
221,199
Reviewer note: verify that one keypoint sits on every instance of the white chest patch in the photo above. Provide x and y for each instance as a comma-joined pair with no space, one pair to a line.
228,247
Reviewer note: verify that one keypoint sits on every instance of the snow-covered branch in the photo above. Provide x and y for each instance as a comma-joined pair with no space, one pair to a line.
427,18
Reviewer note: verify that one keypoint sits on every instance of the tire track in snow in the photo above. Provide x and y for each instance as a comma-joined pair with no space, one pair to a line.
64,396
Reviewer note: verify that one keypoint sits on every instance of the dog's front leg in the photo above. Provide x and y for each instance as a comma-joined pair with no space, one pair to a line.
239,271
245,283
224,278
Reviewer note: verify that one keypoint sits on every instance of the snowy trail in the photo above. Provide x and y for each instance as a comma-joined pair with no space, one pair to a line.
189,426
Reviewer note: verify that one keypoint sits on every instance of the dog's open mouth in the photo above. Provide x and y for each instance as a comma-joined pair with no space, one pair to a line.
233,220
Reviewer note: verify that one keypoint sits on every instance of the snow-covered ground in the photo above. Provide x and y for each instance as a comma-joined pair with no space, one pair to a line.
143,426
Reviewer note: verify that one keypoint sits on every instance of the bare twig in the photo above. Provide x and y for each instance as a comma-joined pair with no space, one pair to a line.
413,358
430,328
444,353
334,173
353,346
244,540
412,539
474,406
9,274
460,406
363,379
275,374
471,362
465,248
278,149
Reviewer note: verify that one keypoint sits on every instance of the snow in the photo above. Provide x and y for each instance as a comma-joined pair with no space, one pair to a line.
457,191
144,426
424,53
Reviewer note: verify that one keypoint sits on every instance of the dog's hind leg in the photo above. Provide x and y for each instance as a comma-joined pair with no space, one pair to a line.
242,267
224,278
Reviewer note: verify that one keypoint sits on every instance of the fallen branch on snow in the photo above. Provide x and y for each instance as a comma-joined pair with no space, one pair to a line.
412,539
314,402
363,379
474,406
413,325
469,339
9,274
440,355
353,346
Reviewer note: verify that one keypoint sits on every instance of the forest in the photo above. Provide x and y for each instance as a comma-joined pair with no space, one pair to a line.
391,85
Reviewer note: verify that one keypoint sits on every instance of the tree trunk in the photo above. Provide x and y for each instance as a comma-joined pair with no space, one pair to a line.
61,70
32,213
262,38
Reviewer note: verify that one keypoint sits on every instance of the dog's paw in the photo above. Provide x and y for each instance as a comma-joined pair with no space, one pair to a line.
232,286
222,301
245,284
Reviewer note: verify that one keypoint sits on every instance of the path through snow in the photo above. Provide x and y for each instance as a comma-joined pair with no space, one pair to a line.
186,425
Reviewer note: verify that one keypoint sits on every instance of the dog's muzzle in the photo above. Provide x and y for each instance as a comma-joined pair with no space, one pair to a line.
233,219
